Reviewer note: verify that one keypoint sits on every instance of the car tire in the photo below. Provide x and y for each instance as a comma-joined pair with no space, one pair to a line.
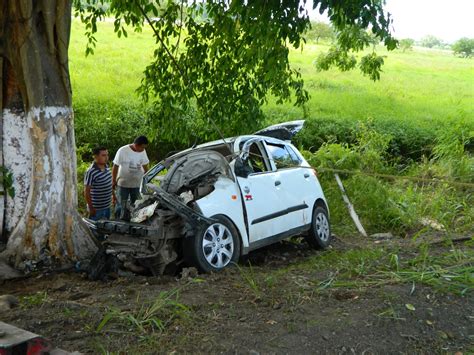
319,235
213,248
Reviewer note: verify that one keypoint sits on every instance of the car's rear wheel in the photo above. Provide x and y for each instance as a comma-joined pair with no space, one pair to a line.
319,236
215,247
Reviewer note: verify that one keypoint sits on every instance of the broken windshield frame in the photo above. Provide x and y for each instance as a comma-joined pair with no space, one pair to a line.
150,175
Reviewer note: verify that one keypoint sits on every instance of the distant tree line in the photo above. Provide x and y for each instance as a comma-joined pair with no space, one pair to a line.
463,47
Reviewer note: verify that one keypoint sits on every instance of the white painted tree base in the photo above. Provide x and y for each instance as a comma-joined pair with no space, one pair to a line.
42,220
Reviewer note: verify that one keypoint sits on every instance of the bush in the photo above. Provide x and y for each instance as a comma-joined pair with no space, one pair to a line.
430,42
408,140
398,205
111,125
451,152
464,47
406,44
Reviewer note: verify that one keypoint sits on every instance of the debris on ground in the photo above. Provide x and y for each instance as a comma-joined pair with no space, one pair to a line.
428,222
189,273
15,340
7,302
382,236
7,272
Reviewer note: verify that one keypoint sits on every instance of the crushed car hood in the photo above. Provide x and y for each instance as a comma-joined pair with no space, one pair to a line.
187,170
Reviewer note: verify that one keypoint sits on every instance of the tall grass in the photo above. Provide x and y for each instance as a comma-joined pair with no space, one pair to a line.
448,272
148,318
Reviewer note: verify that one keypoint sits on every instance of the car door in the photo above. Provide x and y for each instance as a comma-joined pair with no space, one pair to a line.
260,195
294,180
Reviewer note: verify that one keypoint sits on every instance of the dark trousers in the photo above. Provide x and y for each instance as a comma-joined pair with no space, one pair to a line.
124,193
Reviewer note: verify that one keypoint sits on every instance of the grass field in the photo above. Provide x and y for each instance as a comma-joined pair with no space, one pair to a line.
426,88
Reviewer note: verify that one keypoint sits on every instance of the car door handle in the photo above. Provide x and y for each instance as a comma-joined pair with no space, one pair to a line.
306,175
277,183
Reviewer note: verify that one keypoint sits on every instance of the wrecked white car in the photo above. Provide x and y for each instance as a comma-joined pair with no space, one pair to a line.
213,203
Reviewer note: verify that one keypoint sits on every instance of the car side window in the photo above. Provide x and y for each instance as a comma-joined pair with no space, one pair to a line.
293,155
283,156
256,159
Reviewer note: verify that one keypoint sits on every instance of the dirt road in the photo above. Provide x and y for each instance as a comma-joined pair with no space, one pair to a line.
291,300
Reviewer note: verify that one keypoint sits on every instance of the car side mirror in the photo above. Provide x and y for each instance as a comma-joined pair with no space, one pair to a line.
242,168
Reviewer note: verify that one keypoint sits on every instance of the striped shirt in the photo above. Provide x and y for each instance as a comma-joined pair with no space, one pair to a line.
100,182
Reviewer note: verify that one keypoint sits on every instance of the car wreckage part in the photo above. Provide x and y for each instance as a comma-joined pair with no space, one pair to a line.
214,247
172,202
15,341
196,171
151,245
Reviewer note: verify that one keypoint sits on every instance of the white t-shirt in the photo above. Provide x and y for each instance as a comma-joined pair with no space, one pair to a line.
130,164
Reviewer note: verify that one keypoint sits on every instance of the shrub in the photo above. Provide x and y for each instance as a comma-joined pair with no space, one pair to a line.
406,44
398,205
409,141
464,47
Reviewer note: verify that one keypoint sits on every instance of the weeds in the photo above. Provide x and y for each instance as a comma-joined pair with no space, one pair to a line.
248,276
156,316
35,300
390,313
449,272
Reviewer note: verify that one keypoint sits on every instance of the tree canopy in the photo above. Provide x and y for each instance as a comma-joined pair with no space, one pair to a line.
320,30
464,47
222,59
430,41
406,44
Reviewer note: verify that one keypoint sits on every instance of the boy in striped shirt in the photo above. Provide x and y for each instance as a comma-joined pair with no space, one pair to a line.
98,185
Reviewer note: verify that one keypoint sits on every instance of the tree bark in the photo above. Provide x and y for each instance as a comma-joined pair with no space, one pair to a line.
41,221
2,190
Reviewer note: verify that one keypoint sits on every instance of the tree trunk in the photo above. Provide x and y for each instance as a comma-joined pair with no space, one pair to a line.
2,190
41,221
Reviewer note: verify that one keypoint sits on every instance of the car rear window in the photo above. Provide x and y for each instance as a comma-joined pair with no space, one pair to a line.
283,156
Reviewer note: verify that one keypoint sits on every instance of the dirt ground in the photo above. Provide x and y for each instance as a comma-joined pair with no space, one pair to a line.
277,305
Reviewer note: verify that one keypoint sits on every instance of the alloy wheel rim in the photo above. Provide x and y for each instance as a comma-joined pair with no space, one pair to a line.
322,227
218,245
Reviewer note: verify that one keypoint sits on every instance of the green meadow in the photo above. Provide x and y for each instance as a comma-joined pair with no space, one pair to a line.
426,88
418,120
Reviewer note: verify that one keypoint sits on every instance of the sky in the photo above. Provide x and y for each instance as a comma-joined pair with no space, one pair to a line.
447,20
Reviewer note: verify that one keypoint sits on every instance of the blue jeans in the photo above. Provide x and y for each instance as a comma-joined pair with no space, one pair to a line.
123,194
101,214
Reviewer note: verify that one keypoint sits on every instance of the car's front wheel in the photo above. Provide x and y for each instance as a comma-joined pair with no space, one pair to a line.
214,247
319,236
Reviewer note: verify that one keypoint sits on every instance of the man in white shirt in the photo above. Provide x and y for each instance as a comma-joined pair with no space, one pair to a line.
130,163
